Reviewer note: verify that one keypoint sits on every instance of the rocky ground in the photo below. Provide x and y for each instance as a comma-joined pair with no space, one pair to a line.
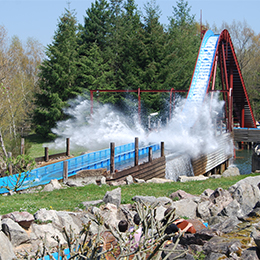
232,218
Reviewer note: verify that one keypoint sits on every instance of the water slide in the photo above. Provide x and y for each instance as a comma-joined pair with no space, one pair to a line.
201,74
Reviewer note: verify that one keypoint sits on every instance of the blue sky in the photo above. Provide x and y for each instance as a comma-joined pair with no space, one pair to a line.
39,18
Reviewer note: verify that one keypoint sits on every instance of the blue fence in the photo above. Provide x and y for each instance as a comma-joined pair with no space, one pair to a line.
124,155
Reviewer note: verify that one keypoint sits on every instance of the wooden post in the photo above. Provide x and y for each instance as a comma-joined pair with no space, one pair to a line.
136,151
10,168
67,147
162,149
46,155
65,171
112,158
150,155
22,146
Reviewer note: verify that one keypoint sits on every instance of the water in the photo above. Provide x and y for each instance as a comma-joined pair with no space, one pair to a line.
243,161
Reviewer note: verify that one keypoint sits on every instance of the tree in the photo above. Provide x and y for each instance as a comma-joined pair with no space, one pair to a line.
18,76
182,47
58,75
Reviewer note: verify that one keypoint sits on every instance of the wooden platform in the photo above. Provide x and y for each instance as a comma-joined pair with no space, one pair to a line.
246,135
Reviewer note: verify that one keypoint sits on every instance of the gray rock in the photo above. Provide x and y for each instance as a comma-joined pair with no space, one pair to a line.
44,216
250,254
232,210
180,194
215,256
129,180
70,221
220,245
53,185
24,219
92,203
139,180
185,208
18,234
111,214
47,232
226,225
6,248
185,178
145,199
113,197
246,193
164,201
158,180
74,183
231,171
103,180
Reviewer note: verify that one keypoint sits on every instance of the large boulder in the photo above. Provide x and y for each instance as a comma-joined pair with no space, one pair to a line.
246,192
24,219
18,234
6,248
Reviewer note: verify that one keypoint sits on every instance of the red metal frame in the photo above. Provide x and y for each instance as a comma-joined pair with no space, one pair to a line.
225,57
138,91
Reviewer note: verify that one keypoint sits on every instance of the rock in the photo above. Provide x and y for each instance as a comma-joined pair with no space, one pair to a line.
164,201
47,232
18,234
192,178
246,193
207,192
185,208
160,212
53,185
103,180
231,171
129,180
158,180
6,248
74,183
111,214
24,219
179,253
145,199
232,210
113,197
250,254
180,194
139,180
70,221
221,245
92,203
226,225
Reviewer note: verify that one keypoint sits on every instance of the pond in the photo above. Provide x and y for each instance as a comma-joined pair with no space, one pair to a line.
243,160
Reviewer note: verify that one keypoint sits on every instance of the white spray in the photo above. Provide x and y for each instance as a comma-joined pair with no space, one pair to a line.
109,125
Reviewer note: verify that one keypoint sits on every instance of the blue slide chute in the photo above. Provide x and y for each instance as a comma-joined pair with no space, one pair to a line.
202,71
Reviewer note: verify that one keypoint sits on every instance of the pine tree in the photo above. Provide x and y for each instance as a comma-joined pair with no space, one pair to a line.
58,75
182,47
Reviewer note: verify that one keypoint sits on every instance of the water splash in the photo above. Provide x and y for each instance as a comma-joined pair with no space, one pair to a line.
107,124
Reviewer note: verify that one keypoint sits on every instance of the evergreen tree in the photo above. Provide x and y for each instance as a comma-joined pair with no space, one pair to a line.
58,75
96,25
152,42
182,47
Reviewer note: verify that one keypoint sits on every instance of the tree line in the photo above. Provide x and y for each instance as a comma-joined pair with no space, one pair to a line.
117,47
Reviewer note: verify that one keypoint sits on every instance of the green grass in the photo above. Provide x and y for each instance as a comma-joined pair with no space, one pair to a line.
70,198
37,144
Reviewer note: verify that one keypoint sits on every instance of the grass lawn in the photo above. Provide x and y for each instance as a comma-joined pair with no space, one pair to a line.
70,198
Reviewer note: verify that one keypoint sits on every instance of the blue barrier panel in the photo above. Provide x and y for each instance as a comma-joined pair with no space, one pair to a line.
95,160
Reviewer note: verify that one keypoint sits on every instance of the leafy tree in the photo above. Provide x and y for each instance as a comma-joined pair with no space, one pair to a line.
58,75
